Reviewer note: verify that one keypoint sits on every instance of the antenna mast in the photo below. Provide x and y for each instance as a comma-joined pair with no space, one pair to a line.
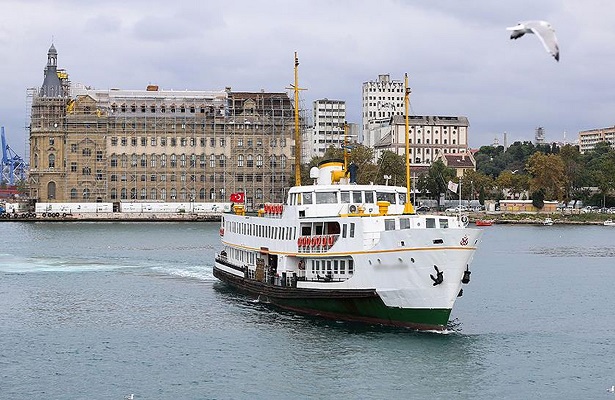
408,208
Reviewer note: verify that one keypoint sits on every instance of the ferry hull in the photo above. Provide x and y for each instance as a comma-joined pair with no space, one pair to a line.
356,305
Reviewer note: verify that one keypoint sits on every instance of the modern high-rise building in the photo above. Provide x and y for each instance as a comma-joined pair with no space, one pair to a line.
381,100
116,145
329,117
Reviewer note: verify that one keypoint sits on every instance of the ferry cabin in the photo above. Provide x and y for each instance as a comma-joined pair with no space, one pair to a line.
314,238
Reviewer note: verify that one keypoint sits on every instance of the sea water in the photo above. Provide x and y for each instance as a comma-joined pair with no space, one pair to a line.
106,310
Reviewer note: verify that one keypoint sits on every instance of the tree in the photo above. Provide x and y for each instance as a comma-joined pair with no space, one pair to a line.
546,174
435,181
476,185
393,165
572,170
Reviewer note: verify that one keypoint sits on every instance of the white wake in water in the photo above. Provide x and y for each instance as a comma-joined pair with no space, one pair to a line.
199,272
15,264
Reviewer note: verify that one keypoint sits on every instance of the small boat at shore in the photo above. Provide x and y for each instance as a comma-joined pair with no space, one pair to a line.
483,222
547,222
609,222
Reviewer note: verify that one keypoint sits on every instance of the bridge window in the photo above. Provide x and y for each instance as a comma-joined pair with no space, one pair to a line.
326,198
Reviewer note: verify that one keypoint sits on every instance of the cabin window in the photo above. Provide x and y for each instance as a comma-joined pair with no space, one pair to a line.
404,223
356,197
430,222
443,223
402,198
307,198
326,197
350,267
369,197
342,267
384,196
344,230
336,267
352,229
389,224
345,197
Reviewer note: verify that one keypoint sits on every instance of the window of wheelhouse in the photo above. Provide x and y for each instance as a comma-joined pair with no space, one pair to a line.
430,222
389,224
307,197
404,223
357,197
326,197
345,197
369,197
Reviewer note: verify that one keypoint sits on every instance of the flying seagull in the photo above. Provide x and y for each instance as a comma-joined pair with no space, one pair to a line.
542,29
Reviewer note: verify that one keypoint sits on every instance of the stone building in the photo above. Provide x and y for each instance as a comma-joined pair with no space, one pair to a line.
89,145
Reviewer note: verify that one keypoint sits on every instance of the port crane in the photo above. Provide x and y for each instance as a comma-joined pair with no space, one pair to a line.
14,167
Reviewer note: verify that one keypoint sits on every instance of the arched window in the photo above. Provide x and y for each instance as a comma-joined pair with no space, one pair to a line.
163,160
133,193
52,160
163,194
283,161
73,194
202,194
240,160
124,160
143,160
36,161
173,194
152,194
113,193
133,160
250,161
123,194
182,160
212,161
259,160
143,193
153,160
259,193
212,194
173,161
51,190
183,194
86,193
113,161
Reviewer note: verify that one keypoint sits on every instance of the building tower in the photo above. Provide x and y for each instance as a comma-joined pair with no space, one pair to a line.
52,86
381,100
329,120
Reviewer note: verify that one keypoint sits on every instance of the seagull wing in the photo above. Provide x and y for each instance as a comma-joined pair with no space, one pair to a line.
546,34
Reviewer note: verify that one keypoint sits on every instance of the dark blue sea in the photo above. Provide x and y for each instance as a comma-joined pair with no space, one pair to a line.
106,310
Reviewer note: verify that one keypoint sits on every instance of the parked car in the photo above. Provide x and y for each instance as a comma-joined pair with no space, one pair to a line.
457,209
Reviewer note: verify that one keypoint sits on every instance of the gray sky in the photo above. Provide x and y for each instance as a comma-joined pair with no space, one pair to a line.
458,55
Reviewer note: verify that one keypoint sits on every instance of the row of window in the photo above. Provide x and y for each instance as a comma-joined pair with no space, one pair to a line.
258,178
192,142
193,160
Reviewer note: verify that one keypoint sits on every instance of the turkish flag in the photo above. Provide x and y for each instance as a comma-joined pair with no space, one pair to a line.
238,197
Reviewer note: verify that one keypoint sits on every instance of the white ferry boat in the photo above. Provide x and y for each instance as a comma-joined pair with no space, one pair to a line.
349,252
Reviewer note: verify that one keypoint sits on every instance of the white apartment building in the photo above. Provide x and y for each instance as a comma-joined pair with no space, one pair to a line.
381,100
588,139
329,117
428,136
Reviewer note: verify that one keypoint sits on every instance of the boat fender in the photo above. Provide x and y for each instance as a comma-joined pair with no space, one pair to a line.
439,278
331,240
466,275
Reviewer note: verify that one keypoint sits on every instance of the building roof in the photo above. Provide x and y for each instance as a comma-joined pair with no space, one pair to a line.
458,160
431,120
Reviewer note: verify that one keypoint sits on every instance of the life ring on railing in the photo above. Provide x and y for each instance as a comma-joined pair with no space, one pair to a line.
314,241
331,240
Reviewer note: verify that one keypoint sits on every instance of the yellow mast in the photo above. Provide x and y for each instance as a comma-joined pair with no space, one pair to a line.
297,133
408,208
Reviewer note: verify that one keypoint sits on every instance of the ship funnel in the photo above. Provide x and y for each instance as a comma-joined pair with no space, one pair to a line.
331,171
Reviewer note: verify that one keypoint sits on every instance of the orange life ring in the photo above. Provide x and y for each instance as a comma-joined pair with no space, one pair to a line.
331,240
313,241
